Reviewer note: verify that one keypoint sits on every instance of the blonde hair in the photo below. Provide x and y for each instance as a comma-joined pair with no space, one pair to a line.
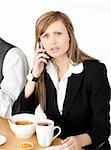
74,53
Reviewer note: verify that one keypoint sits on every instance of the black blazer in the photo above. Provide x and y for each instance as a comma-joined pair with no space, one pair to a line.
86,104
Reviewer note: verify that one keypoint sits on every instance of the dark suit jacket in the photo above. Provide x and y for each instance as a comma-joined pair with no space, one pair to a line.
86,104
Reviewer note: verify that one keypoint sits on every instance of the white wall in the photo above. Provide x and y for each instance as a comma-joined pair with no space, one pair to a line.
91,19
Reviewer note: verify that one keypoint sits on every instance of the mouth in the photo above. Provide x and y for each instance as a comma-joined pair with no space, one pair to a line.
55,49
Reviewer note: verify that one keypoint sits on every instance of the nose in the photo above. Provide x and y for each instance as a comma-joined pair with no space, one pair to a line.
53,40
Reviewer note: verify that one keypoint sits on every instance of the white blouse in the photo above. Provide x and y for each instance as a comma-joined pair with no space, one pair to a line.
15,69
60,85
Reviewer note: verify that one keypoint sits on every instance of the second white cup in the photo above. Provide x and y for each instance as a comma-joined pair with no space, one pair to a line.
45,132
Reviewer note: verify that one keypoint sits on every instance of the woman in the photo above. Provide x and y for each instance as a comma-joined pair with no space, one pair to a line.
71,87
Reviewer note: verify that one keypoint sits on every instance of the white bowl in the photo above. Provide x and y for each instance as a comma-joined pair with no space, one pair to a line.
23,131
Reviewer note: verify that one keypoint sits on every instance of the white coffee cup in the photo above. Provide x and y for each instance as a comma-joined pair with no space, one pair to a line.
45,132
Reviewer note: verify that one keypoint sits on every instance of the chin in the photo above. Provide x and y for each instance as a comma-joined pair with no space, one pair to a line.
55,55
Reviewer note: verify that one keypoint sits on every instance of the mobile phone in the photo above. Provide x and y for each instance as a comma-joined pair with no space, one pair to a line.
40,44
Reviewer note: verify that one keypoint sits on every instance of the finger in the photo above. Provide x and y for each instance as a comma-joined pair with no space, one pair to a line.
42,60
41,55
66,140
69,142
44,55
39,51
64,146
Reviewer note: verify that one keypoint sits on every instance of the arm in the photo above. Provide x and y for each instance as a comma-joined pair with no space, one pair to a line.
15,69
38,66
27,100
75,142
100,97
99,100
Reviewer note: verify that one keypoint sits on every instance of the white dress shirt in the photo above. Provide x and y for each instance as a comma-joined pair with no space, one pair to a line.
60,85
15,69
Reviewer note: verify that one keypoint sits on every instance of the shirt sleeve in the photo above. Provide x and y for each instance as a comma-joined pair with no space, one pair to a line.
15,70
25,105
100,97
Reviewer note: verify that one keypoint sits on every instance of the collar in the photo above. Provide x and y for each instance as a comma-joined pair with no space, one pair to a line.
73,69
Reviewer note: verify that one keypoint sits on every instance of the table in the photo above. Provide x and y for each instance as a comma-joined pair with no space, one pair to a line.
13,141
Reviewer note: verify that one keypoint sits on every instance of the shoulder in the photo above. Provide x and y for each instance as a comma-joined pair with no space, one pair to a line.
15,52
93,65
94,69
15,59
15,56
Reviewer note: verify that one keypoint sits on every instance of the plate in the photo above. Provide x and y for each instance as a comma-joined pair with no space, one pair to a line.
2,139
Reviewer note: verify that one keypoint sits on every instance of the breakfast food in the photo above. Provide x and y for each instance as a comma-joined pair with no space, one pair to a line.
23,122
25,146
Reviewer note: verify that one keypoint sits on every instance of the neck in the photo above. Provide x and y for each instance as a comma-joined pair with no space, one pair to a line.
61,65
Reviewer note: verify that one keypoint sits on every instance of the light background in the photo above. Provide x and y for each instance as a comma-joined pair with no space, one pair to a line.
91,20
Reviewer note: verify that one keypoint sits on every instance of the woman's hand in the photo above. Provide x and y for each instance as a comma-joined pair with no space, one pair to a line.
40,60
38,65
70,143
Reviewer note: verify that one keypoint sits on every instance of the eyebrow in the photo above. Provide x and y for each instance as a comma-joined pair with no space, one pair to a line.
53,32
57,31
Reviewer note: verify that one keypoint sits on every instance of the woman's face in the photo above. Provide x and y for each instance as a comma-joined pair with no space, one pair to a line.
55,40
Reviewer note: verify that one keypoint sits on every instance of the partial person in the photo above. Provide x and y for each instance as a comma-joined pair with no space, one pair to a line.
68,86
13,71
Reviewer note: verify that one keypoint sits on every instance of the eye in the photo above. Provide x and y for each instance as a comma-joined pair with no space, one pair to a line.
45,36
58,33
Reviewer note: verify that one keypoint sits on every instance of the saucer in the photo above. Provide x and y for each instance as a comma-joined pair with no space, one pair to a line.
2,139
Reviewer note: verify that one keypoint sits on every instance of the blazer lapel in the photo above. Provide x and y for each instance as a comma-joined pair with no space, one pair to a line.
72,90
